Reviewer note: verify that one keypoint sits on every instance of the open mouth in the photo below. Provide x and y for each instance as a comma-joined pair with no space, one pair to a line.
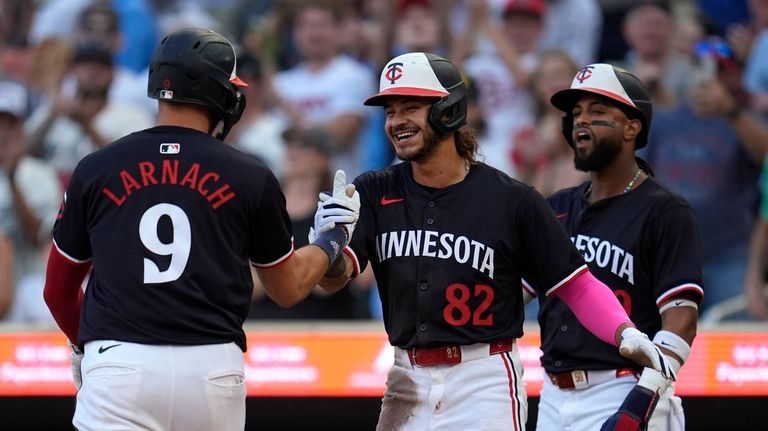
582,138
404,136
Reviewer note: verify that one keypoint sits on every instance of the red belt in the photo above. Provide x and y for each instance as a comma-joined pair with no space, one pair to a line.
580,379
448,355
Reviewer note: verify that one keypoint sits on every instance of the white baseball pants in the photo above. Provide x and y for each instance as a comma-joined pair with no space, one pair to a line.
128,386
483,393
587,409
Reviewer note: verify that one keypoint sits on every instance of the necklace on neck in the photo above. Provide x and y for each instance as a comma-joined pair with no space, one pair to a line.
632,181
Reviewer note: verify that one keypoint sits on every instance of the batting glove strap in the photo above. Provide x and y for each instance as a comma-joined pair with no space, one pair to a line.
332,242
634,412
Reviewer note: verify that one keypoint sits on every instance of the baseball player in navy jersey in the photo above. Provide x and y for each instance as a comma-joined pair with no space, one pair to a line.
168,220
641,240
449,239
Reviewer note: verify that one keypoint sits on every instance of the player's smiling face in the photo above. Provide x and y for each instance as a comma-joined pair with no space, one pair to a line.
597,132
408,129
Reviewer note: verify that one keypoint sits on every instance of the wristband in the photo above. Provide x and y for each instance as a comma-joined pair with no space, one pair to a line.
673,343
332,242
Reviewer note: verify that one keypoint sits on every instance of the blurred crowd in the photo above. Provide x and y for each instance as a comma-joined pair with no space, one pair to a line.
73,78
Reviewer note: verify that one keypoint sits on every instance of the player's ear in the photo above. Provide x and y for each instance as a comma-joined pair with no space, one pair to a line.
632,128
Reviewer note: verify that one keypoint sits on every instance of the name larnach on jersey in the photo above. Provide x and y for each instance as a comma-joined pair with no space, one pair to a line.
201,182
424,243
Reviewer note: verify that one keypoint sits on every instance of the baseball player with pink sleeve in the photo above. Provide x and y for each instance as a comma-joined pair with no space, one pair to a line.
639,238
450,239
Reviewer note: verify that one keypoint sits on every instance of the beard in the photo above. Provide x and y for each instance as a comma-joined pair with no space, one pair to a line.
430,141
604,151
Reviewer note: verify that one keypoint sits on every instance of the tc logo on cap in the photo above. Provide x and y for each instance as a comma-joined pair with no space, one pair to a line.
394,72
584,74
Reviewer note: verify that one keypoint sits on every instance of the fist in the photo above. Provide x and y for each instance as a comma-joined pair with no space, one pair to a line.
636,346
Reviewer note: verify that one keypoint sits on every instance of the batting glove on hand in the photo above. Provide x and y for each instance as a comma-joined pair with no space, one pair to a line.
75,359
636,346
634,412
336,218
342,208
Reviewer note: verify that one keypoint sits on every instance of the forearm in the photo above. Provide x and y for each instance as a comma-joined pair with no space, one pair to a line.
596,307
30,223
752,134
682,322
757,252
309,263
508,55
63,293
338,275
36,139
7,274
98,140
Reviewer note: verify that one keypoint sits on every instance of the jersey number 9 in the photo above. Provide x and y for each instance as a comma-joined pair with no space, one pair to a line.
178,248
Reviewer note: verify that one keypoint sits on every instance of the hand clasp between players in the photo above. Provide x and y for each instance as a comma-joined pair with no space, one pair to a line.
342,208
339,210
636,346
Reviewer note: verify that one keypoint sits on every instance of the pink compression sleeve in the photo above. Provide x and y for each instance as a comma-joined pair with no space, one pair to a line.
595,305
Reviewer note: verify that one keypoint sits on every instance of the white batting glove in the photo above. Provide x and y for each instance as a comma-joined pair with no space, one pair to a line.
636,346
340,208
75,359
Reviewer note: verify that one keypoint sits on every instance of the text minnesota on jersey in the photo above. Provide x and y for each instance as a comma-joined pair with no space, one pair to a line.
603,254
429,243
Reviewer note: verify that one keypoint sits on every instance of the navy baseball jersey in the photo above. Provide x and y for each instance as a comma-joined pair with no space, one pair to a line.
171,218
449,262
644,245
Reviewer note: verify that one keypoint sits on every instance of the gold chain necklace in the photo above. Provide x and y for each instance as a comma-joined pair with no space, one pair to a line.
632,181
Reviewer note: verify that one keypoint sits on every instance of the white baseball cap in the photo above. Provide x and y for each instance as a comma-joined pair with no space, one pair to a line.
613,83
409,74
13,99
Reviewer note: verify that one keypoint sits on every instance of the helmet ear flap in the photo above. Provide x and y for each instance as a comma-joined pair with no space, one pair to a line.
453,106
232,114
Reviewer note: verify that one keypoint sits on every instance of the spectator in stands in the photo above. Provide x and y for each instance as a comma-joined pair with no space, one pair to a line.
325,89
502,75
171,15
6,274
63,19
543,157
55,19
648,29
71,125
755,298
751,41
307,172
30,192
418,25
100,22
259,131
573,26
709,149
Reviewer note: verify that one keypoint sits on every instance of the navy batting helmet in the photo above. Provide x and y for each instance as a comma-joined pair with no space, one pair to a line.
196,65
426,75
618,85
